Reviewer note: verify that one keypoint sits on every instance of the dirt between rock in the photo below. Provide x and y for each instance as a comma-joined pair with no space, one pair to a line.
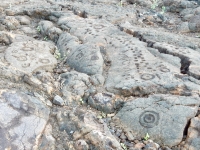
100,75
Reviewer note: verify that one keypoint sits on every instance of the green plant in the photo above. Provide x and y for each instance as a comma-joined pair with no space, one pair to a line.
123,146
81,101
146,137
155,4
38,28
102,115
57,54
45,38
163,10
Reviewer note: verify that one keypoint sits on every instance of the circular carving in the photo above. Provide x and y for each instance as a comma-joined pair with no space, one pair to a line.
25,65
149,119
14,51
28,49
79,56
94,57
44,61
147,76
22,58
164,70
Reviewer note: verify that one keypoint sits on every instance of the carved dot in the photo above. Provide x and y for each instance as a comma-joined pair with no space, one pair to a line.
149,119
44,61
147,76
14,51
22,58
164,70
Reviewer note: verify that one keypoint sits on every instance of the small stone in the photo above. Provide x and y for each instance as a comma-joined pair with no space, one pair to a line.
129,136
139,145
122,136
58,100
81,145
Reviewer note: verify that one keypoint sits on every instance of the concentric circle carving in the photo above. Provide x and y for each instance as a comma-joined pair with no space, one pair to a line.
149,119
147,76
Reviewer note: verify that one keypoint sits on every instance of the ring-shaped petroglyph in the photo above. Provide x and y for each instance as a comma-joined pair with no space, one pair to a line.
44,61
28,49
94,57
79,56
164,69
21,58
14,51
25,65
149,119
147,76
98,26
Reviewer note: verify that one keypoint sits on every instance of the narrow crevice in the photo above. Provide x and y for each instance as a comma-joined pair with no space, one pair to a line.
185,61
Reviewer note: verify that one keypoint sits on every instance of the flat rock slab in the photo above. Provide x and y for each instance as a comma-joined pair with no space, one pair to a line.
163,117
31,55
133,69
22,120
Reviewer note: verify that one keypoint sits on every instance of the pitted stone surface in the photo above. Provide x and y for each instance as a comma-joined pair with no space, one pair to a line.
22,120
163,117
186,54
134,70
31,56
87,59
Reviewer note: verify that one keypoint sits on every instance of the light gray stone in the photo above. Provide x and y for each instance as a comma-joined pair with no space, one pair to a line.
163,117
31,56
58,100
23,119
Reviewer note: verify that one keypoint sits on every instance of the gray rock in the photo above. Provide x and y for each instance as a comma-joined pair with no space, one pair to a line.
97,79
105,102
86,59
81,145
76,83
193,138
65,43
84,125
31,56
23,119
58,100
11,23
149,115
194,23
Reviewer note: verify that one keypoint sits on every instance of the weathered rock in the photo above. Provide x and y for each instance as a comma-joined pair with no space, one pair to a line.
193,138
194,23
149,115
47,141
87,59
151,36
58,100
105,102
84,125
31,56
75,84
11,23
23,119
81,145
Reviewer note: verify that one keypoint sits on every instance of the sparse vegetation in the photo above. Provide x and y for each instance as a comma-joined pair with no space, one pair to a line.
146,137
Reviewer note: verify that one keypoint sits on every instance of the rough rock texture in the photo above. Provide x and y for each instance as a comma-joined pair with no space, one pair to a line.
23,119
31,56
193,139
138,59
149,115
